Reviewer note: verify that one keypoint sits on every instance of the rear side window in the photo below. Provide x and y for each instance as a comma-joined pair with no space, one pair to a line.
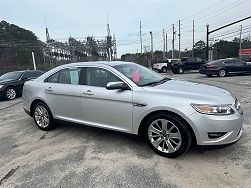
65,76
53,78
229,62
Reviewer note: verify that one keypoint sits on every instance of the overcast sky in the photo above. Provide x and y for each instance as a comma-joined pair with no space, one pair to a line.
79,19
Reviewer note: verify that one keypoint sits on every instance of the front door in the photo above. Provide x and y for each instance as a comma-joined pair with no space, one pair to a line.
110,109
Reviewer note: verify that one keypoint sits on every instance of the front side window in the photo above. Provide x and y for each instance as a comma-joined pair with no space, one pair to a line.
138,74
32,74
99,77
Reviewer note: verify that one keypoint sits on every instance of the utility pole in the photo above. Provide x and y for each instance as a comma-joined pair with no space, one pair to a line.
179,39
34,62
140,34
209,32
193,39
164,45
173,43
151,47
207,45
240,40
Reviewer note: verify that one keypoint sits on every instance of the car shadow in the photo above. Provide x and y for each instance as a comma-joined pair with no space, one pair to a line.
108,141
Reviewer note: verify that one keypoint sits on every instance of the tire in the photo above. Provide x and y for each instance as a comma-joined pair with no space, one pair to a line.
209,75
222,73
164,69
10,93
161,141
43,117
180,70
174,71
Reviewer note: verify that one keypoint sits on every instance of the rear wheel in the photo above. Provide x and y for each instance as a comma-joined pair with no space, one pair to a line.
180,70
43,117
164,69
167,135
10,93
222,73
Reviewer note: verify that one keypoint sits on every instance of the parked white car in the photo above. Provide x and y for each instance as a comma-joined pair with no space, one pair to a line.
164,66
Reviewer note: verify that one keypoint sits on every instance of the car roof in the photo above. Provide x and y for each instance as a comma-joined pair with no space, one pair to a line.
109,63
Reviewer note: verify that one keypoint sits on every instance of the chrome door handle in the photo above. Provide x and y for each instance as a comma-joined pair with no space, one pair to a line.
49,89
88,92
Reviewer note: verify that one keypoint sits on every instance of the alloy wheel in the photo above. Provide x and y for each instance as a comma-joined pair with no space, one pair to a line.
164,136
42,117
11,93
222,73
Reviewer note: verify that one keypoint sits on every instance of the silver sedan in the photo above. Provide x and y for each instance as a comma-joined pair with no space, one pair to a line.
130,98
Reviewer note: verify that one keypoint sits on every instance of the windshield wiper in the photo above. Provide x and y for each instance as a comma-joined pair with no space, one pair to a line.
156,82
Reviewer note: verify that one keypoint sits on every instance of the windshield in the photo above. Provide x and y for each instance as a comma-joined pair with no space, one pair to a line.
138,74
11,76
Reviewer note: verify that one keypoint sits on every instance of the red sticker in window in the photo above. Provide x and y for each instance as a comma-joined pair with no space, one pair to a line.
136,76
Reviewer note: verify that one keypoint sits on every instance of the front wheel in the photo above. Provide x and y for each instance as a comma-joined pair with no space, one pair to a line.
10,93
167,135
43,117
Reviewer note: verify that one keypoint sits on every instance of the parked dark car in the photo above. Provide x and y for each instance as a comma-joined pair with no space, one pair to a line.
223,67
187,63
11,83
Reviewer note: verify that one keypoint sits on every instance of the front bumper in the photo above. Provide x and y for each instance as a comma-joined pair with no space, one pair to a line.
230,125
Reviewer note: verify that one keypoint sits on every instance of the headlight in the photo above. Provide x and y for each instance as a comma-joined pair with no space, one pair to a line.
213,109
1,86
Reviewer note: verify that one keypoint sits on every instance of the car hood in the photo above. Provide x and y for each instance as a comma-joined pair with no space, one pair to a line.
6,81
195,92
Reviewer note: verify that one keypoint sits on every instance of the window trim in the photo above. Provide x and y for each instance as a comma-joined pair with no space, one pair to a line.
87,66
95,66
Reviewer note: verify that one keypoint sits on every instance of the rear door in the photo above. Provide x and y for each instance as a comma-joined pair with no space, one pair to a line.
110,109
62,93
233,65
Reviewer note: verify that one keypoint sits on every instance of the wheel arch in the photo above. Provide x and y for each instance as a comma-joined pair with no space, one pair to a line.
144,120
35,101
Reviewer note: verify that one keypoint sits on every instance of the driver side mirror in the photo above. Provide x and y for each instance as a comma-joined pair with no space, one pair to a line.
117,85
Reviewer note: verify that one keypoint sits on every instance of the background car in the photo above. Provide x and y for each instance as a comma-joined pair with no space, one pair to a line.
164,66
187,63
11,84
223,67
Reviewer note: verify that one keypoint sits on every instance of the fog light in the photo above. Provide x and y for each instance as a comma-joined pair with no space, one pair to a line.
216,135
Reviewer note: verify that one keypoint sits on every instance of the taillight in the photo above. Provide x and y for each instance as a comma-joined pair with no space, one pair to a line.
210,65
